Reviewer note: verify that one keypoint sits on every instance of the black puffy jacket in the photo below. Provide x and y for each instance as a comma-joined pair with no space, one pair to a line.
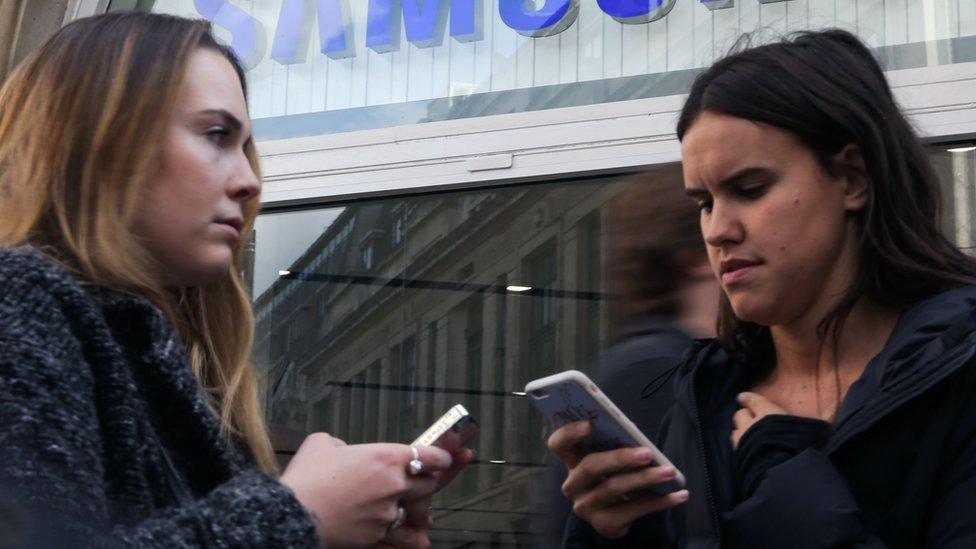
896,469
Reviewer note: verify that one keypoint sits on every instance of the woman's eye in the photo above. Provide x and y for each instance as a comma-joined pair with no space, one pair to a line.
752,191
217,135
705,205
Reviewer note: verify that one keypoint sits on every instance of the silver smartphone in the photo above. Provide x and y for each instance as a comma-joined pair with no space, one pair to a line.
453,431
571,396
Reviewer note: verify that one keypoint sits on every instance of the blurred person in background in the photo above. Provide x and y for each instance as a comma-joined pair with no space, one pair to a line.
129,409
664,296
837,405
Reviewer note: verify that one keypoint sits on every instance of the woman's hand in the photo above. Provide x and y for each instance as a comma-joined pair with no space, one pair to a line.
598,484
353,492
415,531
754,408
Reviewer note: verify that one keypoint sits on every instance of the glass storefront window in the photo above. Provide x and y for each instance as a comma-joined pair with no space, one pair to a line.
467,295
333,65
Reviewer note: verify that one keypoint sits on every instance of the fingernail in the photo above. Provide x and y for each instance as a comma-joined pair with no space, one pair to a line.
667,471
643,454
583,427
680,495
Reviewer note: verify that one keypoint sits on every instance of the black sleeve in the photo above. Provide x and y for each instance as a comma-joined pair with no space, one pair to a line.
803,502
952,514
645,532
768,443
51,467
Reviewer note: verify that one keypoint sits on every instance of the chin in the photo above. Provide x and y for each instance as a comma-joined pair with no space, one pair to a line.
202,270
756,311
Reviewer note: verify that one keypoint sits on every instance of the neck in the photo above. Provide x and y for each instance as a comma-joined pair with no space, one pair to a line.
801,351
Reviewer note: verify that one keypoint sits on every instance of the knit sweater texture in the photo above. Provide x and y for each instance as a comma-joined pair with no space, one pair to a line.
105,435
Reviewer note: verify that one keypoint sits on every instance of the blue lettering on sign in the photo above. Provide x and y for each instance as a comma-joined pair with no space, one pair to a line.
553,17
335,30
636,12
423,21
247,34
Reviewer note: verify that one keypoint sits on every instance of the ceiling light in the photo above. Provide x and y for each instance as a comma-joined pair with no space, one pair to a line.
284,272
518,288
497,461
961,149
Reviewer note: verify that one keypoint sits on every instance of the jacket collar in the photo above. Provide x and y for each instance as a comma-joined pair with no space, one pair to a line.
931,340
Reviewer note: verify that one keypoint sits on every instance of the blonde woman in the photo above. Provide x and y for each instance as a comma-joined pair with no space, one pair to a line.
128,405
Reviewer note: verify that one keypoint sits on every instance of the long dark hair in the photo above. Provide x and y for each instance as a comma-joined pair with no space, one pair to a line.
827,89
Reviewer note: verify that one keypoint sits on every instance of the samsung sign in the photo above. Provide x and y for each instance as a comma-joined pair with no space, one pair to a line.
423,22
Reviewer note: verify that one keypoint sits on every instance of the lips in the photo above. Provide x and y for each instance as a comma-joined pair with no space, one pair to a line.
236,222
233,225
734,270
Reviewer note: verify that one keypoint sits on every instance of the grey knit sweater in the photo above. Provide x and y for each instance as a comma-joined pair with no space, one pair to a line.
105,437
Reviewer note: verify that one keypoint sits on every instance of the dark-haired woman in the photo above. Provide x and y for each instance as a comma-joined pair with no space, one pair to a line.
837,407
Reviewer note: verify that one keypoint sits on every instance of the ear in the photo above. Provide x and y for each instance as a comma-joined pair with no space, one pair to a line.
848,165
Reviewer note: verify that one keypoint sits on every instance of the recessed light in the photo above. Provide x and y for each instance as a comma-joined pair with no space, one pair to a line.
518,288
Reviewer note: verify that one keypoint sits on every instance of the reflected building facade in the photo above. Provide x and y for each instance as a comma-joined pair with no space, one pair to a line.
402,308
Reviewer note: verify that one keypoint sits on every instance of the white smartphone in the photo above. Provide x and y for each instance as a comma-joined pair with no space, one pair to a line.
571,396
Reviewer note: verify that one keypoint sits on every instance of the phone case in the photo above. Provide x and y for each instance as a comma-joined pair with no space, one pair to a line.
571,396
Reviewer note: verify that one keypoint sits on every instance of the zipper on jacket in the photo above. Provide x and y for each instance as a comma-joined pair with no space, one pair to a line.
712,506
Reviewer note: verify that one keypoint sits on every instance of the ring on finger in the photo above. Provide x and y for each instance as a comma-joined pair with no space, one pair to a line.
415,466
401,517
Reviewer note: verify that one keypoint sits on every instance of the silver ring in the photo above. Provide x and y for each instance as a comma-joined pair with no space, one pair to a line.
416,466
400,519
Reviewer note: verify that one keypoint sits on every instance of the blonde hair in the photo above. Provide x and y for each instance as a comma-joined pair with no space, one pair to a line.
81,121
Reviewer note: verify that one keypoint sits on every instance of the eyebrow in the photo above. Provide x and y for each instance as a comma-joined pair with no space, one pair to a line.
231,120
738,176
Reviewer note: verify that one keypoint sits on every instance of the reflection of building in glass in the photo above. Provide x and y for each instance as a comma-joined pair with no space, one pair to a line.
403,308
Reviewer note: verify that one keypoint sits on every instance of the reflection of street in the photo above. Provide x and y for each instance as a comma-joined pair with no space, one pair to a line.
402,308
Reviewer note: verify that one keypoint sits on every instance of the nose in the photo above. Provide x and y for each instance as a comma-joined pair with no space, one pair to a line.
721,226
244,183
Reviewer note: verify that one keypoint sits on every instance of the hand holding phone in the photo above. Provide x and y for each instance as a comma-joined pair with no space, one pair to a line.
454,431
615,474
571,396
